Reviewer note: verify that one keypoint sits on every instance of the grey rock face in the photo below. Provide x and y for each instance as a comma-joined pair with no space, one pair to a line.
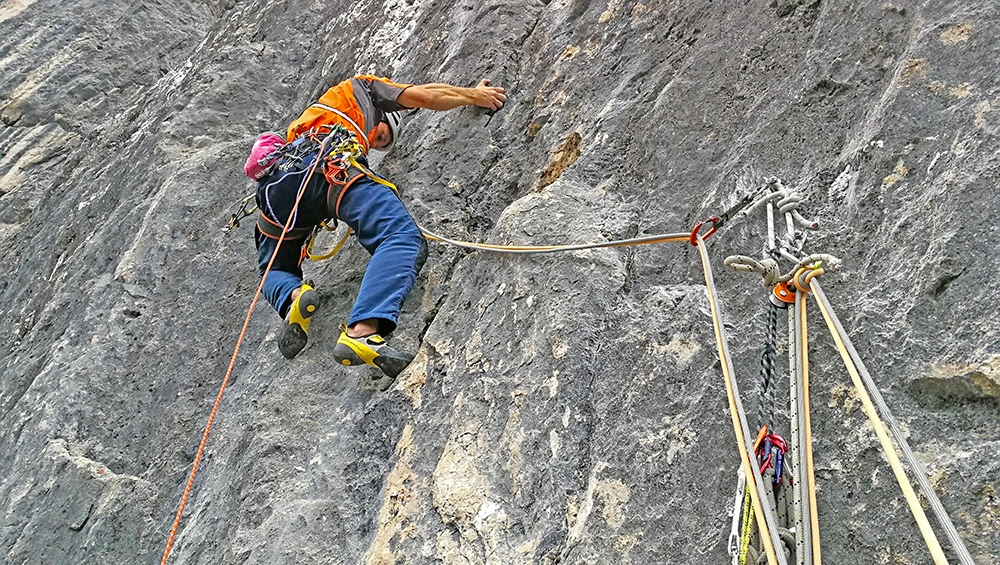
562,408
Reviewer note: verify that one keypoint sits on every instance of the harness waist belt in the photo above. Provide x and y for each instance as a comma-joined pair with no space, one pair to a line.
273,229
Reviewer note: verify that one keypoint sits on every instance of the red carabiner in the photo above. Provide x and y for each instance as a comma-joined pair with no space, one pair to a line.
697,227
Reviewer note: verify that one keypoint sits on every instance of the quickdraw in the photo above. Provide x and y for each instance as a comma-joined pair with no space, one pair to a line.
247,207
719,221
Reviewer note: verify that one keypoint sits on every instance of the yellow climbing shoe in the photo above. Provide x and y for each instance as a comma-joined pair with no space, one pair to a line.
371,350
293,336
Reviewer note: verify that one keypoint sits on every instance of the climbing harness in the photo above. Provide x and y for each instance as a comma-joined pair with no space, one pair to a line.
334,161
341,167
286,157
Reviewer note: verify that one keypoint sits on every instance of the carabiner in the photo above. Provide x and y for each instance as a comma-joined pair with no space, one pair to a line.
697,227
243,211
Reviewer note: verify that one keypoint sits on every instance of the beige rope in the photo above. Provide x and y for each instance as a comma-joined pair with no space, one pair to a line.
743,439
887,447
535,249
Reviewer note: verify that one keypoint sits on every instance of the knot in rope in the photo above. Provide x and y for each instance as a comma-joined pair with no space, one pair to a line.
804,276
767,268
813,261
788,201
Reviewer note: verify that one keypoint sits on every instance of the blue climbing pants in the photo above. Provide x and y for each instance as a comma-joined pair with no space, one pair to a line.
383,227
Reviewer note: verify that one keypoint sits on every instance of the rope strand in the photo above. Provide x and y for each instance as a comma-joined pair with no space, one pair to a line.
868,391
537,249
765,408
758,493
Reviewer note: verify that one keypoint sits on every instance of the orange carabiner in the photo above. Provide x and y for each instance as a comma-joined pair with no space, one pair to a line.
760,437
697,227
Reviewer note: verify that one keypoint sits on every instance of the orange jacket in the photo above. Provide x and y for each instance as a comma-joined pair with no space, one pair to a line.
358,104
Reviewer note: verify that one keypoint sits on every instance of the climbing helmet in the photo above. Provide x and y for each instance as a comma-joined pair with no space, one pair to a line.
395,122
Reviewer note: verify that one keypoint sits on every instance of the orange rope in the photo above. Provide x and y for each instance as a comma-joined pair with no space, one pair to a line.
232,362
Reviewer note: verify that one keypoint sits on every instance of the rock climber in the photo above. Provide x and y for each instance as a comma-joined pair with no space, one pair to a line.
369,109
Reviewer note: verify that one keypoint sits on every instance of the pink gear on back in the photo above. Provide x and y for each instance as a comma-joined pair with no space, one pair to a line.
258,162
